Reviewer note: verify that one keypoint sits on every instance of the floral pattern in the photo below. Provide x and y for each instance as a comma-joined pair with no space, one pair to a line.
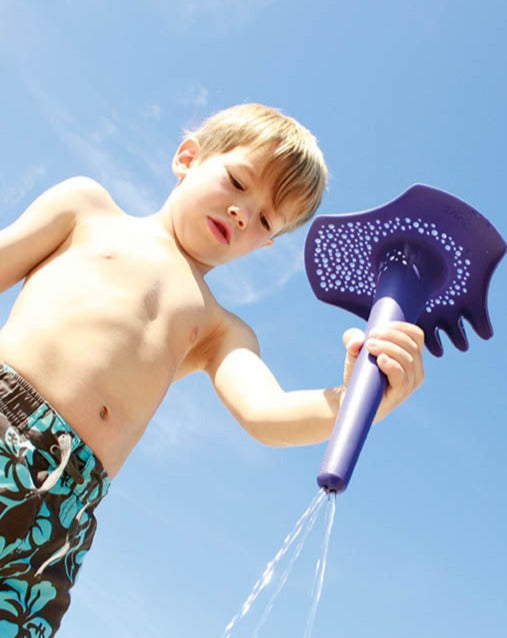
44,535
20,604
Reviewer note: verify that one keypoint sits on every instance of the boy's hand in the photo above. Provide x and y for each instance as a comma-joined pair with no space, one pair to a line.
398,347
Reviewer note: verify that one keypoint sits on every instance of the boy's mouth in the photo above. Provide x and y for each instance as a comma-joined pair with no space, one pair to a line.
220,230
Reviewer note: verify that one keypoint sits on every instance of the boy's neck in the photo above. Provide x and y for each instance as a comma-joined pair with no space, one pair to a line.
165,222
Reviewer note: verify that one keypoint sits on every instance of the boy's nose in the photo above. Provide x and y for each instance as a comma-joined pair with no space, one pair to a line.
238,215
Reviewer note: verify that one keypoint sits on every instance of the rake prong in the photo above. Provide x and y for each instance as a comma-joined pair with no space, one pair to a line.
479,320
456,333
434,342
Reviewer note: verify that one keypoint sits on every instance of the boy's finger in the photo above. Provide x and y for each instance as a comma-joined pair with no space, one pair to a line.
353,339
410,330
398,379
401,365
408,341
398,355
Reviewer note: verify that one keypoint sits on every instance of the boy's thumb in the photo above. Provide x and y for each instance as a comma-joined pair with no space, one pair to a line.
353,339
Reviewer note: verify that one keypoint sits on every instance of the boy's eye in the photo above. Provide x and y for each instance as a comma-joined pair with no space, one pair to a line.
238,185
265,222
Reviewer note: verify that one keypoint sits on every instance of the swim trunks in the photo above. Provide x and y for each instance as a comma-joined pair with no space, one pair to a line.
50,485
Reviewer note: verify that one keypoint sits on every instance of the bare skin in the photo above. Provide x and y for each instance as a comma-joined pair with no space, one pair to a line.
115,308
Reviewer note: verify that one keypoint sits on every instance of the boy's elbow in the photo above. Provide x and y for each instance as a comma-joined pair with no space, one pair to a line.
269,439
264,433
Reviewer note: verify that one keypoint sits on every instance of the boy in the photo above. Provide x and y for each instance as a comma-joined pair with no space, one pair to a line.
115,308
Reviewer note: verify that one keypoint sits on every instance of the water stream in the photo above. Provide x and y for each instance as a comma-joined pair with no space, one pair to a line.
320,568
296,537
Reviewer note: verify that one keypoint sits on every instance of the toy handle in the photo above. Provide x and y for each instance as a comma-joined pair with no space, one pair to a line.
400,297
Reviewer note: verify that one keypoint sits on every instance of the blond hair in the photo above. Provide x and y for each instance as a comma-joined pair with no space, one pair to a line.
295,162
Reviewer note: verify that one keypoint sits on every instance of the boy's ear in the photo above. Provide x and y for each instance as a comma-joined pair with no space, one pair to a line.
187,153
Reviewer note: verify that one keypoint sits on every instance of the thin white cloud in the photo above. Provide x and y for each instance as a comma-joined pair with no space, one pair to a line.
192,420
178,424
260,275
112,604
219,15
104,131
194,94
152,111
23,187
181,422
135,197
92,149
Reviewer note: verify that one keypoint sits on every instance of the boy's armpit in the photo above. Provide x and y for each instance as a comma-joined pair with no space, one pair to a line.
231,334
241,379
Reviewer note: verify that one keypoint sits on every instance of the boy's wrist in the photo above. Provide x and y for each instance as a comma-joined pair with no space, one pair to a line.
335,397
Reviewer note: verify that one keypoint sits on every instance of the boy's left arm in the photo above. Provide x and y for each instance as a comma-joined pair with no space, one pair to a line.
275,417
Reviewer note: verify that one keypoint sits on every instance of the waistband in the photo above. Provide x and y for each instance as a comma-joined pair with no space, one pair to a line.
32,415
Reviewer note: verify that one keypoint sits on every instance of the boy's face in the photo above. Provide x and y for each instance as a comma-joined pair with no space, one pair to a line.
222,207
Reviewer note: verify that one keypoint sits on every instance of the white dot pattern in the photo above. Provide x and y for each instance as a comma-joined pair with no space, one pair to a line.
343,256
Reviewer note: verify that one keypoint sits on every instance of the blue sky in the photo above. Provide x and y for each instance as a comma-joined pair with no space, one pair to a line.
397,92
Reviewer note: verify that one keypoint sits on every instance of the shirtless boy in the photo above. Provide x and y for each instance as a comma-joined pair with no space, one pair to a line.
115,308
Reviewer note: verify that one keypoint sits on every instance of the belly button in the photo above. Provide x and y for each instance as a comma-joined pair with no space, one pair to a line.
104,412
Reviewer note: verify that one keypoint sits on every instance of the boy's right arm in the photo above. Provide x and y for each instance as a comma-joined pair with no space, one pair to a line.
300,417
44,225
248,388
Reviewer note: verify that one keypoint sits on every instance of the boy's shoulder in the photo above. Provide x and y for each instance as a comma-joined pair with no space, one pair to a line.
233,327
83,194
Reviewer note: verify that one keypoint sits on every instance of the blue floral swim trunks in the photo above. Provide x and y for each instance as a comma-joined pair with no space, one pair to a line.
50,485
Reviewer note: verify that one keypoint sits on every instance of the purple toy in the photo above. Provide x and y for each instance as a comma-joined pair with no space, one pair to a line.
427,257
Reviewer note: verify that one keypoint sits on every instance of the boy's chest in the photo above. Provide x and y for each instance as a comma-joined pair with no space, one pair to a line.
147,276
